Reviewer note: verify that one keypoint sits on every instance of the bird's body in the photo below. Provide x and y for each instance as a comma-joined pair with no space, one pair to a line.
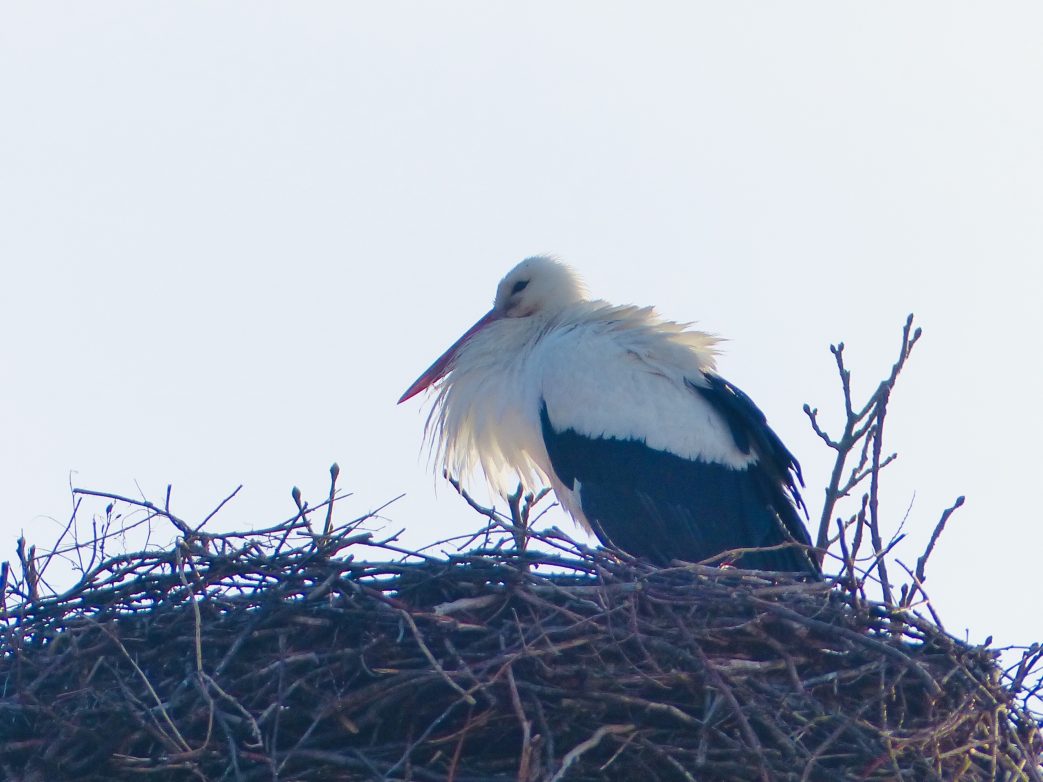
624,415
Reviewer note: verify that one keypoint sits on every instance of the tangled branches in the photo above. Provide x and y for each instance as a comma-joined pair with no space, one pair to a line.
312,651
283,656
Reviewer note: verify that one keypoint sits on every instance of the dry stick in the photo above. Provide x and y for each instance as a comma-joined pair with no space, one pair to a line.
432,659
459,748
179,564
848,560
863,640
853,433
744,724
327,528
652,706
809,765
526,726
546,735
98,539
519,526
841,446
217,510
735,553
623,747
874,501
1029,659
302,507
69,525
664,755
211,716
1032,754
255,729
183,528
532,500
577,752
5,574
26,560
489,513
907,595
407,754
148,685
921,563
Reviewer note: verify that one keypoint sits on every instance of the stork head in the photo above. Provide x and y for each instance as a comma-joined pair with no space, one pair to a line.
538,286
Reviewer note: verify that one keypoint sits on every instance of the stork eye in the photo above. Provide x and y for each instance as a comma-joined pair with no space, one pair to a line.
519,286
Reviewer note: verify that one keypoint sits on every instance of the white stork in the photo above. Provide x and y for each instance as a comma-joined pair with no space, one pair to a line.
624,415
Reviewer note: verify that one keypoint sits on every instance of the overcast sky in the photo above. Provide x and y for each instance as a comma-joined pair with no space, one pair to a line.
233,233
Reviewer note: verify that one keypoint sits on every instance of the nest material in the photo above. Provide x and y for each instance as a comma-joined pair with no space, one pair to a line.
249,658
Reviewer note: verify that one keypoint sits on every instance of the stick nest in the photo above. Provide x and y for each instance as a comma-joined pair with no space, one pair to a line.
285,655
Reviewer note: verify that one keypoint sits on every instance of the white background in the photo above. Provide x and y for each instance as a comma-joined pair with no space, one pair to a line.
231,234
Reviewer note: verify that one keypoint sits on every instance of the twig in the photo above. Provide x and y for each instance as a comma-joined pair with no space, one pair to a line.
921,563
468,698
578,751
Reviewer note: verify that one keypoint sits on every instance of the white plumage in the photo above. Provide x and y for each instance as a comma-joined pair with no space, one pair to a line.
619,410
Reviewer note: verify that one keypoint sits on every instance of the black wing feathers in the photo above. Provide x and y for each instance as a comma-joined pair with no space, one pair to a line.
661,506
747,423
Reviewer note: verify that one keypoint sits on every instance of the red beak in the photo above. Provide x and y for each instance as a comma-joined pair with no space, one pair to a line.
444,362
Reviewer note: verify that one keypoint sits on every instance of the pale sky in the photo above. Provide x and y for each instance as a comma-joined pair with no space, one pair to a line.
232,234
